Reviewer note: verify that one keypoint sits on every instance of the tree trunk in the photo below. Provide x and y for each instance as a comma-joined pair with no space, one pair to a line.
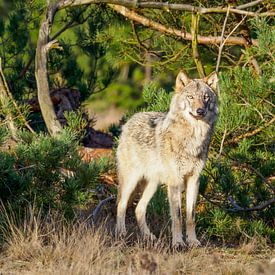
41,72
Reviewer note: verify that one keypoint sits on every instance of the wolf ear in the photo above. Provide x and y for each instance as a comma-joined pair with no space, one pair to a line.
212,80
181,81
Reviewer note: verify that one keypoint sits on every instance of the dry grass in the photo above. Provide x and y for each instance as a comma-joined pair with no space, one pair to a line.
54,247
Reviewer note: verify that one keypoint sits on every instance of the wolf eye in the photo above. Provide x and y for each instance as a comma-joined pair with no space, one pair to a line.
206,97
190,97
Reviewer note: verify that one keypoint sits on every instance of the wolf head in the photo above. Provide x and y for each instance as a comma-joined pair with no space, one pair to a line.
195,99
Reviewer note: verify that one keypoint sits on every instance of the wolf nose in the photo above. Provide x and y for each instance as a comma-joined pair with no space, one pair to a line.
201,112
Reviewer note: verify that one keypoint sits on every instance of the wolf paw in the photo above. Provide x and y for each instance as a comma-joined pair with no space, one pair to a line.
120,233
193,243
179,246
149,237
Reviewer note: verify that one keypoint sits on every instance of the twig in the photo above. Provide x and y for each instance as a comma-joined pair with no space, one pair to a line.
25,69
227,37
221,147
26,167
259,174
221,44
248,5
194,33
96,211
255,208
141,44
174,57
70,24
252,133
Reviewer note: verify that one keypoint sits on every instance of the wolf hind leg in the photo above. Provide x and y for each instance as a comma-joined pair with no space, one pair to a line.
127,186
141,208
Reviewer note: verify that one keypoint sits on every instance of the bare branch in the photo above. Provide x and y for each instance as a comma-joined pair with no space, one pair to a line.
175,32
194,33
248,5
221,45
228,36
268,180
70,24
259,207
252,133
94,215
164,6
221,146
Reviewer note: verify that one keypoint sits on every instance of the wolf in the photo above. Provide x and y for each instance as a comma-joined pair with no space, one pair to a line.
168,148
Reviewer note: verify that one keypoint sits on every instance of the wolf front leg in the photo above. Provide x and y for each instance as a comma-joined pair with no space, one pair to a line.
174,195
147,195
128,184
192,190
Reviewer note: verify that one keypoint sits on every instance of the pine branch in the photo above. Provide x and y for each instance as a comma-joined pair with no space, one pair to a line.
238,208
166,6
175,32
252,133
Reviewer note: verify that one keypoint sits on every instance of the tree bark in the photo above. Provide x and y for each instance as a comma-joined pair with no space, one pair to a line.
41,71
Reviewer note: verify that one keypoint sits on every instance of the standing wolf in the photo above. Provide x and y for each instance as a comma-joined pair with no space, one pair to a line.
168,148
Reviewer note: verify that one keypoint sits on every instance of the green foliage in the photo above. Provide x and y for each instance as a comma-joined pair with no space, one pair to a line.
49,172
76,123
156,99
159,204
220,225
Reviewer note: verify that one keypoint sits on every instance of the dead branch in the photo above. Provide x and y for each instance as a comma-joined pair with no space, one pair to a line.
166,6
221,147
250,134
238,208
194,33
248,5
268,180
221,45
95,214
171,31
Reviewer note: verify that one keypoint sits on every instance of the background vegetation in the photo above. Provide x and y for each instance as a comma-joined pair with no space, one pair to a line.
118,62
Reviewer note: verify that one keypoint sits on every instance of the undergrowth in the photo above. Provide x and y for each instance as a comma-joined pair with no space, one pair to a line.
48,244
50,172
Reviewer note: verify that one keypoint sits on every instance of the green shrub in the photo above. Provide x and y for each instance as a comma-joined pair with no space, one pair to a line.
49,172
